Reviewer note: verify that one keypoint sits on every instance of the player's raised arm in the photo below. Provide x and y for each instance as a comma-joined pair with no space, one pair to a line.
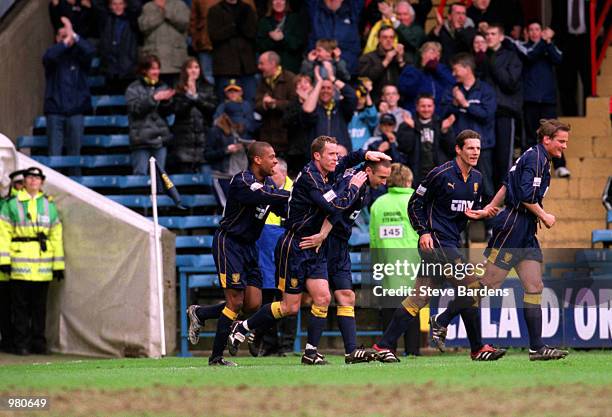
246,189
328,200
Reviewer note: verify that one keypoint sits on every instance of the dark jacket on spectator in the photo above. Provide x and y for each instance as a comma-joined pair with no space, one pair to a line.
291,47
193,115
414,81
503,71
412,37
66,69
118,47
371,66
232,30
146,116
165,33
332,123
539,59
272,129
453,41
216,150
81,17
479,116
413,143
299,141
341,25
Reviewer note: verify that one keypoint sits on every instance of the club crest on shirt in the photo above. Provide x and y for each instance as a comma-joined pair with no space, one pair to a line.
475,187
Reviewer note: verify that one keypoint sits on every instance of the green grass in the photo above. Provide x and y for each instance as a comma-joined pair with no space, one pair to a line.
515,370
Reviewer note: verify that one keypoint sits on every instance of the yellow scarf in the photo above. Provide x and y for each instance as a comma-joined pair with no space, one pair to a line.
271,81
329,107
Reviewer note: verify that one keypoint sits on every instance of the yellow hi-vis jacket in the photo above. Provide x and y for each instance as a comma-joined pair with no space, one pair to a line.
27,224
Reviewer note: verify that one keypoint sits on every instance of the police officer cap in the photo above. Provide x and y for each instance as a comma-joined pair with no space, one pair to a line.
16,176
33,171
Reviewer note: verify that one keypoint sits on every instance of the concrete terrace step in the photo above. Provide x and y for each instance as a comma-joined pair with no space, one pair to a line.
591,146
571,231
575,209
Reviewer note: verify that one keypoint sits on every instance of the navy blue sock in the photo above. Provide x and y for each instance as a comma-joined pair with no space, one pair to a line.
398,326
453,310
209,312
264,317
223,330
348,327
532,312
316,324
471,320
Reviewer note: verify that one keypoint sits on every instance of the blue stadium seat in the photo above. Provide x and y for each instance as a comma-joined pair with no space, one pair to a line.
189,222
61,161
194,241
203,281
200,261
609,217
98,181
107,101
603,236
98,161
103,141
91,121
95,62
144,201
359,238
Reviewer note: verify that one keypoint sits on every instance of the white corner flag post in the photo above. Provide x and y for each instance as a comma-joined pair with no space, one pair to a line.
158,255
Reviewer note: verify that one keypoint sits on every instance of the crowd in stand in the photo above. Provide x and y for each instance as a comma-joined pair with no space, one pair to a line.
365,72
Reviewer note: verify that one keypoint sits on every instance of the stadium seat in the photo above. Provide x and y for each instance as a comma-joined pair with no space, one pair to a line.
61,161
189,222
90,121
98,181
603,236
200,261
102,141
107,160
144,201
204,241
107,101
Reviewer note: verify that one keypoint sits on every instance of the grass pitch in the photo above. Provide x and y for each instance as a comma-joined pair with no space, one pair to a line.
450,384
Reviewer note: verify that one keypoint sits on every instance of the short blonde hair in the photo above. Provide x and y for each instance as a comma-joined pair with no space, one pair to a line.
401,176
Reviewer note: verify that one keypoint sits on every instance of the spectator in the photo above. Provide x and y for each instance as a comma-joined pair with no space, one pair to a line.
67,95
455,34
118,47
269,342
339,20
198,30
322,115
164,24
78,12
390,230
373,12
232,26
365,117
194,105
540,56
274,93
570,21
390,104
472,101
282,32
429,76
483,13
479,50
384,65
298,153
427,139
402,19
32,254
6,322
241,111
504,73
149,102
508,13
409,32
225,150
326,55
387,141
